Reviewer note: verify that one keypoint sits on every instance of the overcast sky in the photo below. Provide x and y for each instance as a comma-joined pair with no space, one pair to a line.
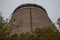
52,7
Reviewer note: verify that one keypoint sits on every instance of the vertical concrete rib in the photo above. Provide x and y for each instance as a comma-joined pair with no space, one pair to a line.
31,20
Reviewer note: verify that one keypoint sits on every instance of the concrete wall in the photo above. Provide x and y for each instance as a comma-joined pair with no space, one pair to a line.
20,21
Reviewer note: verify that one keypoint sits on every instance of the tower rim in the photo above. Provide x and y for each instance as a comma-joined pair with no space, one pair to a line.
28,5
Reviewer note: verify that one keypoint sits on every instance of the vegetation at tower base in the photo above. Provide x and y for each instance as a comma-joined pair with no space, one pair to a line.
3,29
58,22
39,34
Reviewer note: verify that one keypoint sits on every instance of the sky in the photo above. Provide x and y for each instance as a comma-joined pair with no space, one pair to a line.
52,7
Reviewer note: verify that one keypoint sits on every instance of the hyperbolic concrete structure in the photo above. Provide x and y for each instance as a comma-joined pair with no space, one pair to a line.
28,17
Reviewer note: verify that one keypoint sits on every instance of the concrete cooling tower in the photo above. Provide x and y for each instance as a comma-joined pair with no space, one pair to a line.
28,17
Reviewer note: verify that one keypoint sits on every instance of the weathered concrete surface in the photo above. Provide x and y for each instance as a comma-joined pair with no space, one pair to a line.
21,22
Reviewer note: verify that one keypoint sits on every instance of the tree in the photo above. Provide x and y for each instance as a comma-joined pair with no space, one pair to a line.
25,36
58,22
3,28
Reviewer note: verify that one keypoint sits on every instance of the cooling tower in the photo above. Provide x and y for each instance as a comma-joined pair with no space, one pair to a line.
28,17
